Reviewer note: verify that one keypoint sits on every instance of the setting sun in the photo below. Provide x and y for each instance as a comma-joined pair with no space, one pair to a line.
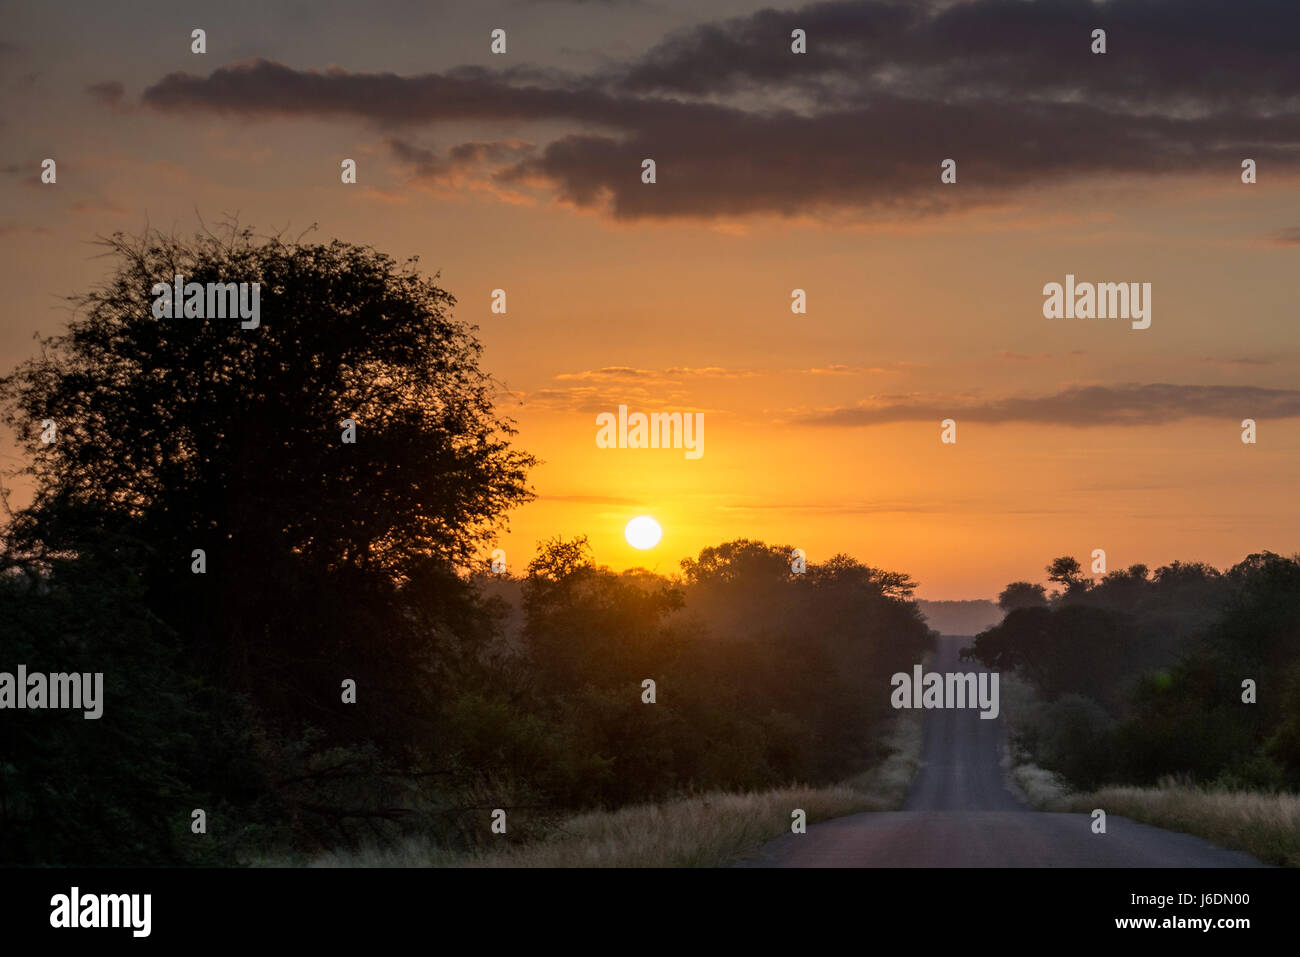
643,532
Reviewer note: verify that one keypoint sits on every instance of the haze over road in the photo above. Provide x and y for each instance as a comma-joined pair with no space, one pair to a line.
960,813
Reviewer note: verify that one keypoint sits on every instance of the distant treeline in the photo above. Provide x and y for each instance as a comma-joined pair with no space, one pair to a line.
243,528
1183,671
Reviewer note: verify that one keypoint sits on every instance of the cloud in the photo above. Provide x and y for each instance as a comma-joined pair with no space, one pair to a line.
837,508
884,368
1243,362
671,375
592,400
590,499
1189,55
854,129
264,88
423,162
710,372
466,166
98,206
1286,237
604,389
1024,357
617,373
108,93
29,174
19,229
1077,406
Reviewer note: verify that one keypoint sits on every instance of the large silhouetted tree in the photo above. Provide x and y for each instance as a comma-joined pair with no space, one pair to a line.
325,560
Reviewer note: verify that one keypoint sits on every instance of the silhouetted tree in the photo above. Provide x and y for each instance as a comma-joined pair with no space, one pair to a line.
1022,595
325,560
1067,573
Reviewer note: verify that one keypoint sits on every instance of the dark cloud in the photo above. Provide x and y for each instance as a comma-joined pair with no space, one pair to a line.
855,128
883,156
490,152
1158,51
755,50
427,165
263,88
423,162
107,93
1079,407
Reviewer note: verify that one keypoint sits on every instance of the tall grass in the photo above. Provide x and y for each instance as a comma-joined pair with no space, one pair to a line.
1043,790
1264,825
705,830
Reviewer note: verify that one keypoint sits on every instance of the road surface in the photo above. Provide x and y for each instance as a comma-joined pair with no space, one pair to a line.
960,812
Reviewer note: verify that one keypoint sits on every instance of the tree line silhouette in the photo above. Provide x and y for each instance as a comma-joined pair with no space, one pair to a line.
1141,674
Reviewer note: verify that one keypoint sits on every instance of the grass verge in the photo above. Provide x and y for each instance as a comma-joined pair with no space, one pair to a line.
706,830
1266,826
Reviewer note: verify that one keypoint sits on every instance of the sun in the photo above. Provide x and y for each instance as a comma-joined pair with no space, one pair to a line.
643,532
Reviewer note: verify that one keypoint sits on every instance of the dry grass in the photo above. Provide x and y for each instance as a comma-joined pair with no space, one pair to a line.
887,783
1043,790
1264,825
708,830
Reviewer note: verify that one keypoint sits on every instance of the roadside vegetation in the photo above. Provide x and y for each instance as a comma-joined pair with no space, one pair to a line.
1169,697
706,830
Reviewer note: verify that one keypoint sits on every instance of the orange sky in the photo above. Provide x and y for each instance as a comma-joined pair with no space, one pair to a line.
685,313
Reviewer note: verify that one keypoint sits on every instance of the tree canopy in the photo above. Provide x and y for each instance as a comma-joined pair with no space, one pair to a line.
207,464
